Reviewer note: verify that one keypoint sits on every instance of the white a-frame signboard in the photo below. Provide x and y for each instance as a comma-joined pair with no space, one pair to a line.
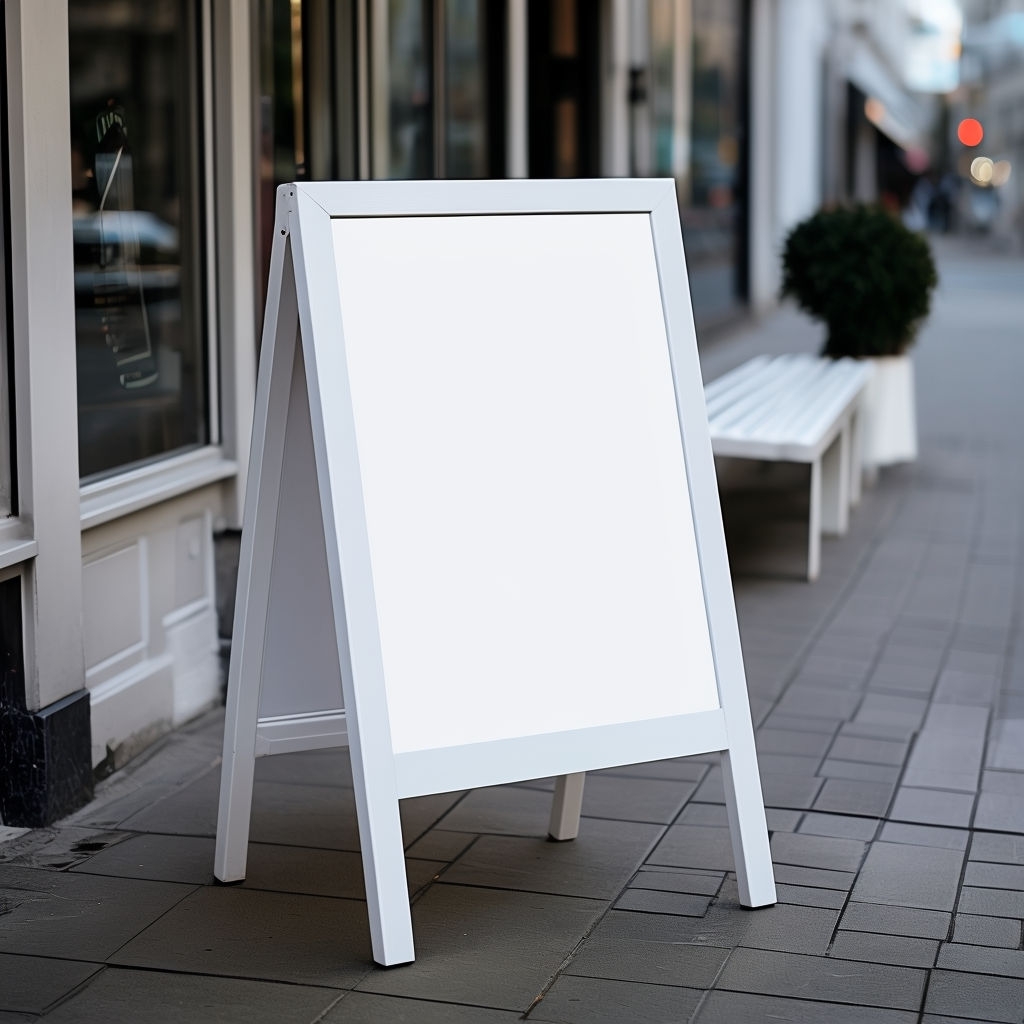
482,534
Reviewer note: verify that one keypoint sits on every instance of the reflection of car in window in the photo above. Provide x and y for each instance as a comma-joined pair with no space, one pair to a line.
120,254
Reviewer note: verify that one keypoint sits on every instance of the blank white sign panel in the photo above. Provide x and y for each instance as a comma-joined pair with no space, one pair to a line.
531,539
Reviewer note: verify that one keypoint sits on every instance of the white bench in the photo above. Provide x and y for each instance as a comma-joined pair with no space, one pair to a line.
797,408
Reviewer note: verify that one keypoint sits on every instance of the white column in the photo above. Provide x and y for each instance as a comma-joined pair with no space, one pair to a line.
43,329
234,203
763,250
682,94
380,91
517,139
797,125
615,88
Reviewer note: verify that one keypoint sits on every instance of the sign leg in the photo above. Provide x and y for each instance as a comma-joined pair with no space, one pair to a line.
236,783
566,806
387,891
747,827
253,594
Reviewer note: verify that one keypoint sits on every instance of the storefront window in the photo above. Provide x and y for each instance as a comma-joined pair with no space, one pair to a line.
6,502
410,90
712,209
136,135
697,115
466,95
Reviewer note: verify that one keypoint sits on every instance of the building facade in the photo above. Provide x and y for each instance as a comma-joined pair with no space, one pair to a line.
143,141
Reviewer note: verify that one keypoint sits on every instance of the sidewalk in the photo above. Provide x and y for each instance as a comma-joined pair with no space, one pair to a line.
889,700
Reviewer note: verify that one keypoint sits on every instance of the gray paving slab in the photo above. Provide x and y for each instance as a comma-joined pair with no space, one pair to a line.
487,947
307,768
1007,963
869,750
849,796
860,771
233,932
1006,745
793,874
78,917
957,686
323,816
723,926
648,901
901,950
807,896
932,807
635,798
991,902
365,1008
827,979
439,844
743,1008
997,847
892,709
812,702
647,960
907,678
595,1001
994,876
694,846
924,835
817,851
597,864
790,721
779,819
979,930
32,984
501,810
838,826
879,729
152,997
949,751
910,876
788,764
678,880
887,920
975,996
791,929
282,868
787,791
792,741
932,1018
1000,812
57,848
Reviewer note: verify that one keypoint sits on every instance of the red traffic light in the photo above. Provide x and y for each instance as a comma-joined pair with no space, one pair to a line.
969,131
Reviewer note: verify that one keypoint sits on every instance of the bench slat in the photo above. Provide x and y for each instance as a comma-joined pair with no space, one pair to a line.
786,407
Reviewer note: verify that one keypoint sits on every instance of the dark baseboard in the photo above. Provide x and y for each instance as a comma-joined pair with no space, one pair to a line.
45,761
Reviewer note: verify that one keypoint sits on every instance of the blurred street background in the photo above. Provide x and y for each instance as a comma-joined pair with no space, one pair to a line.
887,696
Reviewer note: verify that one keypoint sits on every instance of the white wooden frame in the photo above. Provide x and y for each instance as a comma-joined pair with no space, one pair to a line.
303,401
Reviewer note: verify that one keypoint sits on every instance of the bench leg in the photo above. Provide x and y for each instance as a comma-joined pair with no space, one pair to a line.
856,458
835,482
566,806
814,523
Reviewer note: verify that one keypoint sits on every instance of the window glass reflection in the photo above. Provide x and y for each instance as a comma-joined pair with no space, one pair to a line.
135,136
410,74
711,209
466,87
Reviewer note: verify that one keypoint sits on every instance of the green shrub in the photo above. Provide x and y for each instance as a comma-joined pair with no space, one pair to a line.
863,273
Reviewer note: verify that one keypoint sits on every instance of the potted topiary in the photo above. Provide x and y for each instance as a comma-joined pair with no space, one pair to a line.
870,279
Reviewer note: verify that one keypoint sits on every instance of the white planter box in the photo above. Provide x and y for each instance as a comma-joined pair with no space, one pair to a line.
890,418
